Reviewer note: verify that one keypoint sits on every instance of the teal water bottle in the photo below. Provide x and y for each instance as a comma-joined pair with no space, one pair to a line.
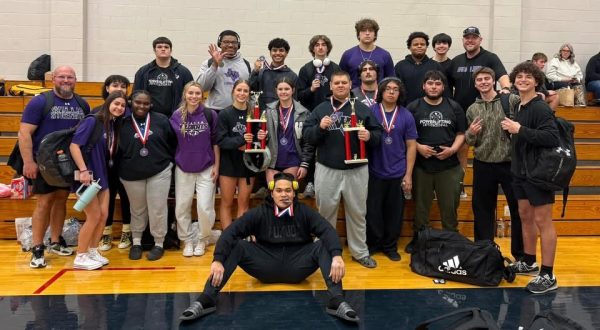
87,195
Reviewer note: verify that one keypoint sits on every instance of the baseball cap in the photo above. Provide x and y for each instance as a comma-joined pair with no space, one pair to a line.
471,30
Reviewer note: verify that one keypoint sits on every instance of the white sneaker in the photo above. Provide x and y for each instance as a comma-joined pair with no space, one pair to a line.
83,261
105,243
188,249
200,248
309,191
95,255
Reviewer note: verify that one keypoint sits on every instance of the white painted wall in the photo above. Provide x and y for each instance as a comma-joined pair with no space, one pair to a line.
103,37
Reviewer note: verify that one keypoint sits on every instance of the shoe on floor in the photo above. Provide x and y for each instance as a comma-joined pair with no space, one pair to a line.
125,241
156,253
366,262
393,255
95,255
37,257
309,191
344,312
59,249
200,249
83,261
195,311
542,284
521,268
105,243
188,249
135,253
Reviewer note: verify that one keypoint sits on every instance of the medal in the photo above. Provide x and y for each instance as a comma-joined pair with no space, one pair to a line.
388,140
142,137
283,141
284,121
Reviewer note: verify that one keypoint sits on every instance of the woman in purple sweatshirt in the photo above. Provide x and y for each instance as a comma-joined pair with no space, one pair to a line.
197,167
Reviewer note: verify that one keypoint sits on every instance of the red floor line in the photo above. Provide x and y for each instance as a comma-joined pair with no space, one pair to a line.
63,271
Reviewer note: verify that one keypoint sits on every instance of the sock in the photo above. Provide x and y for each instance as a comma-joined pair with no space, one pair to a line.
137,241
546,270
126,228
107,230
529,259
159,244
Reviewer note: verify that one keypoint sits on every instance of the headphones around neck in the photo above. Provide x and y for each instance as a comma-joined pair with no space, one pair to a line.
229,33
318,63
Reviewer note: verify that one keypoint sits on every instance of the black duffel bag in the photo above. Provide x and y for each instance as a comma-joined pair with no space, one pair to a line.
450,255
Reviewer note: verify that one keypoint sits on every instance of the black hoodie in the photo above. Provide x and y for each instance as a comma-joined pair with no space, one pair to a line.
286,231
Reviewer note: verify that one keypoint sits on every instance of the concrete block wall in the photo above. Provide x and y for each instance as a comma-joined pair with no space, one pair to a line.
103,37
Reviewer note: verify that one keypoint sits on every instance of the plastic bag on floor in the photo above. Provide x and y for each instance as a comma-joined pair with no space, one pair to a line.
26,238
71,231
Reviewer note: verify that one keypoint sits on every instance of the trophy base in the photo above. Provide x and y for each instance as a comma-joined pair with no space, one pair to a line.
256,120
352,129
356,161
255,151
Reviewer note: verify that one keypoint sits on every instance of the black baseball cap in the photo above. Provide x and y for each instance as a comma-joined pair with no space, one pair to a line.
471,30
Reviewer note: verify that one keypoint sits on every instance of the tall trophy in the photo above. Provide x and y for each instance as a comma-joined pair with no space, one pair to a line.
255,116
354,126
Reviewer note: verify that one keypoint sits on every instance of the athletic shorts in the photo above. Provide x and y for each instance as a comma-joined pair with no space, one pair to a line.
536,196
40,186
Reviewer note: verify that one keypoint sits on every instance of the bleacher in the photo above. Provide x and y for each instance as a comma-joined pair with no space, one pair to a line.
582,215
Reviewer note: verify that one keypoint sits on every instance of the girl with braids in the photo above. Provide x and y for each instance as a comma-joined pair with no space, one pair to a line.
197,167
94,163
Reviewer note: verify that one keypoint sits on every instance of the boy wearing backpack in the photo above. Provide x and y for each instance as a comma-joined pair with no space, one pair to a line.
533,128
66,111
492,155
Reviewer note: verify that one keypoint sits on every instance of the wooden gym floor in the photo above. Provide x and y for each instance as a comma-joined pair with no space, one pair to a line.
129,294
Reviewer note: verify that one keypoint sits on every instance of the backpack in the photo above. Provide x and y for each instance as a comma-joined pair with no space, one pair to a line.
39,67
462,319
552,168
54,158
27,90
550,320
14,159
450,255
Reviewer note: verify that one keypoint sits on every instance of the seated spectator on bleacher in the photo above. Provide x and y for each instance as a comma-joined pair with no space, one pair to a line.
592,75
563,71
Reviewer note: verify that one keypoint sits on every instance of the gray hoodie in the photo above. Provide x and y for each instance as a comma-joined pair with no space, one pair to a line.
218,82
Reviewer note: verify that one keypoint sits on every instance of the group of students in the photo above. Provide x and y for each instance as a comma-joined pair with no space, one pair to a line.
166,129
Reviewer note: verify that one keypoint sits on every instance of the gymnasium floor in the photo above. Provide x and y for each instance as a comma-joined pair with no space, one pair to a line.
151,295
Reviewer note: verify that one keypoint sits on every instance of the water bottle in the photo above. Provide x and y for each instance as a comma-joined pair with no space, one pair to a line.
407,193
87,195
500,228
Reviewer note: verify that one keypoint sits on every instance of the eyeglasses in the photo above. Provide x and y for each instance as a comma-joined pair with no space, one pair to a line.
231,43
392,90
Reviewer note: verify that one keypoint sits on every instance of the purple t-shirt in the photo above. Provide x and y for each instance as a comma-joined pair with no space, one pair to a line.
388,160
96,158
287,155
354,56
64,114
194,151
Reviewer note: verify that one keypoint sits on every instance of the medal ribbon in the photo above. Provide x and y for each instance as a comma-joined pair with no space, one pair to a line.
368,99
338,108
111,139
289,211
388,126
143,138
285,120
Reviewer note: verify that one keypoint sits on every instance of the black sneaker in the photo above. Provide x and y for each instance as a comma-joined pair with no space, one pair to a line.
521,268
37,257
393,255
542,284
156,253
135,253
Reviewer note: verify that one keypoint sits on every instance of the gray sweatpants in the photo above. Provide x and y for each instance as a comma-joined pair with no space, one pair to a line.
330,186
185,186
148,203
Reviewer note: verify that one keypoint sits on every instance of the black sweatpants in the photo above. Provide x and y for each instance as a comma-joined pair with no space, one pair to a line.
486,177
291,264
385,213
115,186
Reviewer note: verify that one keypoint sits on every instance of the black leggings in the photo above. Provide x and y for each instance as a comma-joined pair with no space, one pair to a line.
115,186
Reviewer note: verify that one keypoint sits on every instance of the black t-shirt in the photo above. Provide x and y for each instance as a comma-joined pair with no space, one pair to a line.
460,75
160,87
437,125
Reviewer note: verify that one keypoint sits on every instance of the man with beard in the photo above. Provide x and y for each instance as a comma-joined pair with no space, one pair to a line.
367,91
413,67
224,67
333,177
65,112
163,78
284,250
441,126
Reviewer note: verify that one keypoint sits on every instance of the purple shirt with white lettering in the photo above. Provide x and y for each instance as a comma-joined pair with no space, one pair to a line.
388,160
194,151
96,158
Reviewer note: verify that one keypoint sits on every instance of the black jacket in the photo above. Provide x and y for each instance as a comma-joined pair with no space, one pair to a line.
265,79
271,231
592,69
411,74
305,78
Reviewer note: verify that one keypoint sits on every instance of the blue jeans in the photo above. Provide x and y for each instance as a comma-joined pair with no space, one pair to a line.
594,86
